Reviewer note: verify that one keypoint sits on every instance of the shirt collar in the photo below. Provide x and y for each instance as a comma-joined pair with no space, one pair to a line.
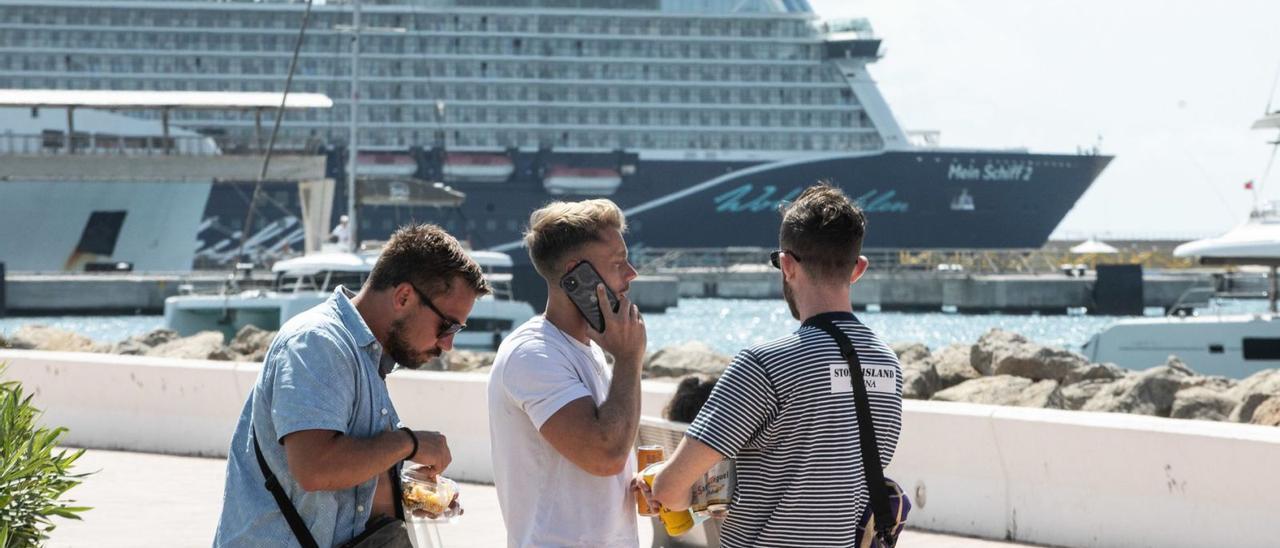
351,317
354,323
828,316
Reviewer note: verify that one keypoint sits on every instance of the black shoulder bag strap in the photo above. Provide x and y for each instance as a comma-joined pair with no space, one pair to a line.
868,445
282,499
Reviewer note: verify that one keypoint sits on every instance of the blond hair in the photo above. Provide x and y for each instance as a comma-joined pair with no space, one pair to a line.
559,228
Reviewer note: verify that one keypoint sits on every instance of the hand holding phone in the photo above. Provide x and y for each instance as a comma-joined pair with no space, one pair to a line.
626,337
580,284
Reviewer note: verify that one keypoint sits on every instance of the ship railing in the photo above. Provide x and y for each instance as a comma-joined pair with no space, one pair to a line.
55,143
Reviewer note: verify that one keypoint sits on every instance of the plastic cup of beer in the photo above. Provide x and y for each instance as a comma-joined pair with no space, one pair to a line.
645,456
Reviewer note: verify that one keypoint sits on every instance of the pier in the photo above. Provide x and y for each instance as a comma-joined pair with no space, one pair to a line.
36,294
914,291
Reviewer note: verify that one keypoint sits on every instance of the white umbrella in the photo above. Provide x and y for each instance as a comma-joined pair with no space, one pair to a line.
1092,246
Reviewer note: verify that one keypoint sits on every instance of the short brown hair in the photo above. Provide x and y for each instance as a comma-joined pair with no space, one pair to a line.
559,228
824,229
427,257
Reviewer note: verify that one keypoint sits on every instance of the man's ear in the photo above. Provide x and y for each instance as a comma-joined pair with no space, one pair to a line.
859,269
400,295
790,266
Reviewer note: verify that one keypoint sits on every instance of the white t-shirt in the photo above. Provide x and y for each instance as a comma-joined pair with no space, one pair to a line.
546,499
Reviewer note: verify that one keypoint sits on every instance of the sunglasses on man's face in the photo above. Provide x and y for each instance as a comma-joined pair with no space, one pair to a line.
448,326
775,258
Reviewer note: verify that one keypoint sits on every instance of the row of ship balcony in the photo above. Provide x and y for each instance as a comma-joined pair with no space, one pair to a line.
309,141
647,23
558,48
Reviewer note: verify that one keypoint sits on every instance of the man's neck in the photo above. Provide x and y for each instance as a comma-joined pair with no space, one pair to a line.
563,314
819,300
369,306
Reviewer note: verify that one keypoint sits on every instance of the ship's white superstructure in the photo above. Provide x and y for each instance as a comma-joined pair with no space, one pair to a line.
741,78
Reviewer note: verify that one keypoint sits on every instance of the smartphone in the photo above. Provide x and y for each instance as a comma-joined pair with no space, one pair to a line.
580,284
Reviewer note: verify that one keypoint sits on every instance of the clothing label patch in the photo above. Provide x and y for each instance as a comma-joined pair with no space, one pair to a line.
881,379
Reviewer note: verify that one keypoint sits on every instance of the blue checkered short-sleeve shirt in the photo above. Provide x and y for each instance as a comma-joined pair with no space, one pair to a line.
320,373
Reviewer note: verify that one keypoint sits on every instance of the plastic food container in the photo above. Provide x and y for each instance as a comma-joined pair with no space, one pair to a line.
423,493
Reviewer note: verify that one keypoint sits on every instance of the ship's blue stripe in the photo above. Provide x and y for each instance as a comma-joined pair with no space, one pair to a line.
664,200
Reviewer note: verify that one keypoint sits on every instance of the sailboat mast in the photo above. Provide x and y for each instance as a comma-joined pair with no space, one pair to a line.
353,224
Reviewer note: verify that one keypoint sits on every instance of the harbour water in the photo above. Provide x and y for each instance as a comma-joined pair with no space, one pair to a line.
726,325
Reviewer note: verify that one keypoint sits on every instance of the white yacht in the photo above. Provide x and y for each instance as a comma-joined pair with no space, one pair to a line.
1230,345
306,281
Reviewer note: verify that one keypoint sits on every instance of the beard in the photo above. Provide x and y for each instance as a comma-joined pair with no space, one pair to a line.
402,352
790,298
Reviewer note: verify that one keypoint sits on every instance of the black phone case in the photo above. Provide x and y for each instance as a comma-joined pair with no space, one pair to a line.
580,285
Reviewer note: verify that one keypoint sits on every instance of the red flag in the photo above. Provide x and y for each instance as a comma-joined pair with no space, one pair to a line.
1248,185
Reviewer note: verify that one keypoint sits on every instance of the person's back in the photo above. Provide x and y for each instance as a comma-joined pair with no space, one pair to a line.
785,409
801,476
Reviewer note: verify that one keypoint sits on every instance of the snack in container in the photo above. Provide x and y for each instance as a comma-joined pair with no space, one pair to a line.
426,493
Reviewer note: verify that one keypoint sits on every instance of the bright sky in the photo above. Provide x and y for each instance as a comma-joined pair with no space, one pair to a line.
1171,86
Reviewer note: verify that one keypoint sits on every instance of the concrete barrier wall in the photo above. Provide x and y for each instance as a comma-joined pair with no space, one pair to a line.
1070,478
1042,476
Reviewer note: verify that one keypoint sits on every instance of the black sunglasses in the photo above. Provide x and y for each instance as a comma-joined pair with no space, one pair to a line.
775,258
448,326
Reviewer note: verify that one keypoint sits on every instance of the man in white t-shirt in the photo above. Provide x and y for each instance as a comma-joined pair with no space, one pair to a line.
563,426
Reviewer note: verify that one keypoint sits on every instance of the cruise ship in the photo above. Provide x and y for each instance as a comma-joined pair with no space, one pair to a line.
698,117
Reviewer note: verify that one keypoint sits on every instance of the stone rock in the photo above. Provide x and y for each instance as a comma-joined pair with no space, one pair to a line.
919,380
1220,384
138,345
251,343
952,366
1036,362
989,344
1252,392
129,347
156,337
1202,403
691,358
43,337
910,352
1076,394
205,345
467,360
1095,372
1267,413
1005,390
1176,363
1150,392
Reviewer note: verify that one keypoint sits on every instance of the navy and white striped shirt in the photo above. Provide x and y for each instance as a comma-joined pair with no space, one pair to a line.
785,411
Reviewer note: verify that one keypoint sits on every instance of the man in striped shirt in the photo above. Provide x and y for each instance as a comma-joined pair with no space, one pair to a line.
784,410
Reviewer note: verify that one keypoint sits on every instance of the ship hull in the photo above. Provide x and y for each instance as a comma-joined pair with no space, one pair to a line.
913,199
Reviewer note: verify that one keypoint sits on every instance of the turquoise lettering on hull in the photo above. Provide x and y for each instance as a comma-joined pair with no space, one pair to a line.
745,199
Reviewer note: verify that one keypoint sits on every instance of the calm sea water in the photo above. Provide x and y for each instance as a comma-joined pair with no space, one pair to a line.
727,325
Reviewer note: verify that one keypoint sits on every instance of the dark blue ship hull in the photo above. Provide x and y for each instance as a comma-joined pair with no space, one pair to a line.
914,199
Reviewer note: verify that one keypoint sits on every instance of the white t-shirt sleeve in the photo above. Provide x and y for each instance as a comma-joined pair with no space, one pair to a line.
540,381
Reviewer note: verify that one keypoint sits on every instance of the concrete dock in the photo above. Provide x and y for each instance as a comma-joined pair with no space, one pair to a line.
910,291
144,499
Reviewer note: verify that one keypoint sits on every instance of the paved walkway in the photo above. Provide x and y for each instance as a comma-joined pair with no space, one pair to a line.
142,499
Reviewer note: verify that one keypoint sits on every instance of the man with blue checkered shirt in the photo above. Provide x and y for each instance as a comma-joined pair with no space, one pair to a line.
320,413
